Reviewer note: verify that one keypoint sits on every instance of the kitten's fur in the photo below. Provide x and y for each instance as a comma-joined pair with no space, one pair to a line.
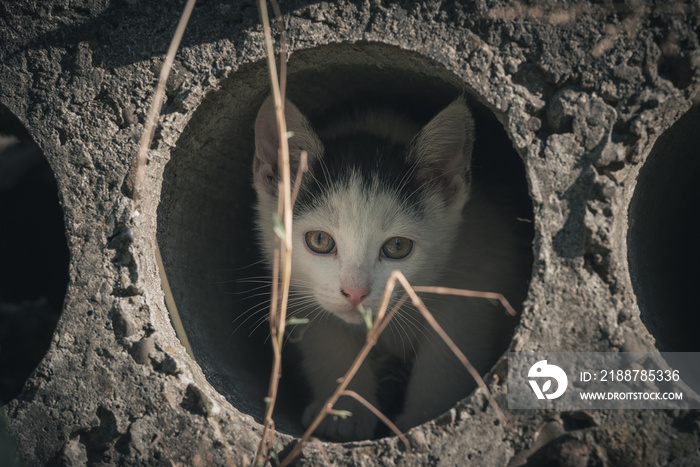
374,177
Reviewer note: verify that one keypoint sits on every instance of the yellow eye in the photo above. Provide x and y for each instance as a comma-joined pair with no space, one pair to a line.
319,242
397,247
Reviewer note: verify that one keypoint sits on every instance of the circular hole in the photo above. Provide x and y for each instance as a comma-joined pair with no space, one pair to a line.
206,217
662,240
33,255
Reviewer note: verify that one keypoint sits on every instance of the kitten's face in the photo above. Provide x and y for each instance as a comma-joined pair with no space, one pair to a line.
367,207
346,247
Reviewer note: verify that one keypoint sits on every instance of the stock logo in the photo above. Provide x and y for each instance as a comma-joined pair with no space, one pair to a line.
543,370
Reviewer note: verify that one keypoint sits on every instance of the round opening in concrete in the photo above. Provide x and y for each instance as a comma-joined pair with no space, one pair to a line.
205,218
663,250
33,255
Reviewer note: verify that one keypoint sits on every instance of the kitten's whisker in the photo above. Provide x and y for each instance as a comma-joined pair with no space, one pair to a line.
397,328
249,316
394,333
401,321
245,266
251,296
416,323
268,281
298,302
430,337
294,302
262,320
255,308
244,294
255,316
255,280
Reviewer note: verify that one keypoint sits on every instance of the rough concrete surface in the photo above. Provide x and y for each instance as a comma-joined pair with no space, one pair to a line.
583,90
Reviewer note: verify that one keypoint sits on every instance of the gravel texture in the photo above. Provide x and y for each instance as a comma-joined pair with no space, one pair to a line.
587,93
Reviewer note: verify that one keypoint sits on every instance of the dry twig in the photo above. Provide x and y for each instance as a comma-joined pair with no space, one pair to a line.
381,322
139,178
468,293
282,259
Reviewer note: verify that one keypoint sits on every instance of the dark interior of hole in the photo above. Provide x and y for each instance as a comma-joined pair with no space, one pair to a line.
33,256
205,217
663,250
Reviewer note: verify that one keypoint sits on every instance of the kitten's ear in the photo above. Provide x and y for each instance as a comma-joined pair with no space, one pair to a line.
265,167
442,151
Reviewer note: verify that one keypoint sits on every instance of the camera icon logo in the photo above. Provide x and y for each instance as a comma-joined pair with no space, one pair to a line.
543,370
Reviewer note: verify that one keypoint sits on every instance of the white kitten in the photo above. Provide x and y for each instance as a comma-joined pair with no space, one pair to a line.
383,194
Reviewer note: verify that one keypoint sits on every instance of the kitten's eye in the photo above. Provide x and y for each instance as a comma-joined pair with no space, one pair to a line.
319,242
397,247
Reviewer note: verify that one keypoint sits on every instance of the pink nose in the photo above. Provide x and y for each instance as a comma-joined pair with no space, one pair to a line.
355,296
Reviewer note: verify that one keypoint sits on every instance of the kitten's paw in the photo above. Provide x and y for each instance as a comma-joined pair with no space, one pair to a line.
360,425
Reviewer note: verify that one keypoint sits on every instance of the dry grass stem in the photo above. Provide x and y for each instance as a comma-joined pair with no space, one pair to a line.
141,159
157,103
418,303
270,442
381,322
372,335
283,48
468,293
282,258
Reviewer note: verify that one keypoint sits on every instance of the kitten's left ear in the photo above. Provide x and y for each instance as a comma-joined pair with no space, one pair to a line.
442,150
265,165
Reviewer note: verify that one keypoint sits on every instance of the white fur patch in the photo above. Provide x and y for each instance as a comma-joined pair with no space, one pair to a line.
360,222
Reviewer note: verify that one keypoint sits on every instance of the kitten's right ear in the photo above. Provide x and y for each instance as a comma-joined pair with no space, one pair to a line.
442,151
265,166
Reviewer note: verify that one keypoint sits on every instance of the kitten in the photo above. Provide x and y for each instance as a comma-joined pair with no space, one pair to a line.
384,194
